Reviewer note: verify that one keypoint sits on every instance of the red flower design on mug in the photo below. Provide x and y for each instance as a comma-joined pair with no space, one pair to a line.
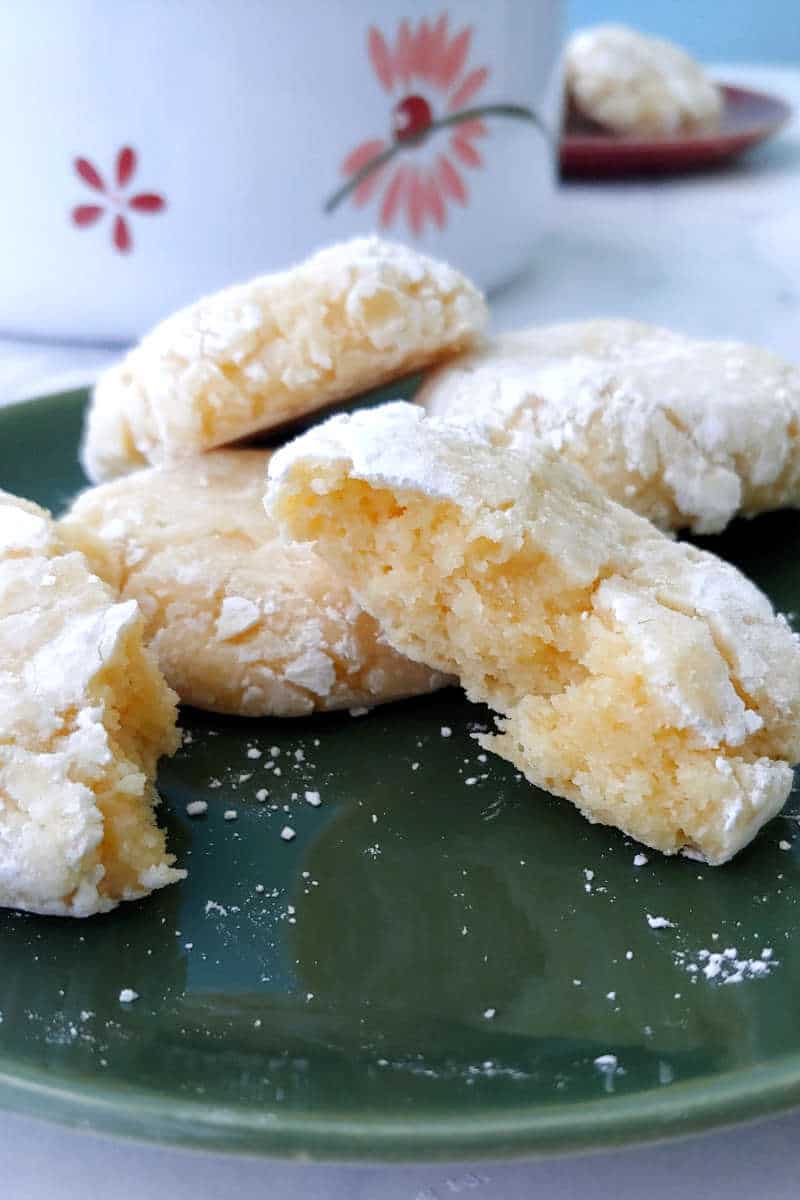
115,202
433,87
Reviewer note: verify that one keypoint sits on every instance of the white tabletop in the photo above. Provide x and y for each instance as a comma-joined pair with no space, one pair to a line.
716,254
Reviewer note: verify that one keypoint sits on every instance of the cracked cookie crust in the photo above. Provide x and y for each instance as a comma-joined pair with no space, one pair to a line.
256,355
240,621
688,433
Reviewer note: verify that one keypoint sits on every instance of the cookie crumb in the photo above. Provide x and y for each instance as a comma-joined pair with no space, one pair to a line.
659,922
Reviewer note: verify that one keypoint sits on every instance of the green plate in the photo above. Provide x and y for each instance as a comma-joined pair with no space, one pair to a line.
430,969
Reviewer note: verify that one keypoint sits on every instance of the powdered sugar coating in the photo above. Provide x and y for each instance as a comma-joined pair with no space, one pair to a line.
391,447
353,316
240,622
84,716
642,678
633,83
688,433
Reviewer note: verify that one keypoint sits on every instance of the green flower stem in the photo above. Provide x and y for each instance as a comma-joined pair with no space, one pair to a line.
516,111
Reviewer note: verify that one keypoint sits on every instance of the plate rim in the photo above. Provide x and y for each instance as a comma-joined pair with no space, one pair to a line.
680,1110
84,1101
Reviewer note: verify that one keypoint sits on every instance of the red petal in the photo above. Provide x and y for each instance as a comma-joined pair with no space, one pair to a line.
366,188
465,150
416,203
89,175
454,58
404,52
421,52
438,45
392,197
86,214
435,203
126,165
380,57
362,154
472,129
122,235
450,181
147,202
472,84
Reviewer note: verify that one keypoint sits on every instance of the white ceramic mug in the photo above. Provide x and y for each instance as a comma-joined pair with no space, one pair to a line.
154,150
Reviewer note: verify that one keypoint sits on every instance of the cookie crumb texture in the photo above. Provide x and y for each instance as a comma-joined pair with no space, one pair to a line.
84,716
687,433
630,82
643,679
256,355
241,622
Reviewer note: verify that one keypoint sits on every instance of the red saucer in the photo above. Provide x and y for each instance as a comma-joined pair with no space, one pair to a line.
748,118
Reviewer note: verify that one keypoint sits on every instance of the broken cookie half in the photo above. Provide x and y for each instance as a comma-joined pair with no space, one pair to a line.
643,679
84,716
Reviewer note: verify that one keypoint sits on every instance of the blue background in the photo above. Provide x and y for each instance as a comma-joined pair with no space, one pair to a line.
726,30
